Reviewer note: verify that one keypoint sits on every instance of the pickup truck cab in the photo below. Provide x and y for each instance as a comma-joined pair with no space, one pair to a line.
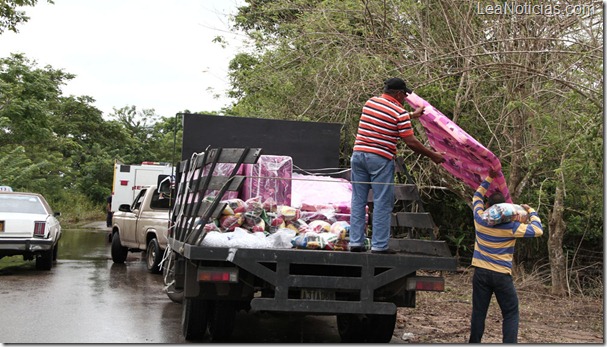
142,226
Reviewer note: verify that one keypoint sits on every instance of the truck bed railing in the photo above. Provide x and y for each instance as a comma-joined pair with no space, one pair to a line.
192,211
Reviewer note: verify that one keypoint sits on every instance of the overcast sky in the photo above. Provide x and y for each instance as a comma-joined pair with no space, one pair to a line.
148,53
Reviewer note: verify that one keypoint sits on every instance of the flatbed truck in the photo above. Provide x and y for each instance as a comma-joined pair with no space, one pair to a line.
363,290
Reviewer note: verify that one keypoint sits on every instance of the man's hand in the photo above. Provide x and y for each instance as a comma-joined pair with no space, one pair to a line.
526,207
438,158
417,113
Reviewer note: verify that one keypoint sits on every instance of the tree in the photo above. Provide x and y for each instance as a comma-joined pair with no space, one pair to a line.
525,85
10,16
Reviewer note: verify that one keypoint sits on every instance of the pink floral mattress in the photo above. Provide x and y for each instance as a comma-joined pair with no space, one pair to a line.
466,158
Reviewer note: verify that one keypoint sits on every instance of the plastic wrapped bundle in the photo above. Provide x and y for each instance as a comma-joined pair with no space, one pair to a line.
270,177
505,213
465,158
234,206
319,226
223,169
321,190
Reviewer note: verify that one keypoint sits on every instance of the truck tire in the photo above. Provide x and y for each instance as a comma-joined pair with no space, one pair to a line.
119,253
168,278
221,322
153,256
44,261
351,328
380,327
195,318
370,328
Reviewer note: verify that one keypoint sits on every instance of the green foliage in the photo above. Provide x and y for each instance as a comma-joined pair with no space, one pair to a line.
19,172
62,147
11,16
527,87
76,208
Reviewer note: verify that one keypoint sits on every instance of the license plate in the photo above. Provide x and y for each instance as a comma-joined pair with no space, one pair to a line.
317,294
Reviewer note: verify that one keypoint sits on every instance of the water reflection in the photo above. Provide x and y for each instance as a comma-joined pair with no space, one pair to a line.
83,244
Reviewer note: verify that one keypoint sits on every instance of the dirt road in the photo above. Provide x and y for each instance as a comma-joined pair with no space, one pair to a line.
445,317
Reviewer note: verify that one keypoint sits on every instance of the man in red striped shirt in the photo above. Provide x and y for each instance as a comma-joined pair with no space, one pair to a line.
383,122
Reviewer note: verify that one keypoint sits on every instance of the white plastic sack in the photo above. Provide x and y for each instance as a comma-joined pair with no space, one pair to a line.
505,213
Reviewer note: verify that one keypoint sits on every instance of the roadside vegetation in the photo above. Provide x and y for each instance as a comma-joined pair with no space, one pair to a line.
528,87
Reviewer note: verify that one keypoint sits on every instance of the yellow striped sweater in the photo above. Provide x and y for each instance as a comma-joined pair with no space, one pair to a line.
494,245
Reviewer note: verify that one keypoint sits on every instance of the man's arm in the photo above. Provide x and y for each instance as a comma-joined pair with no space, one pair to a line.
417,147
478,204
531,229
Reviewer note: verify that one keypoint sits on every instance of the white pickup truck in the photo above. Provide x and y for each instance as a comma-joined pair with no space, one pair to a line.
142,226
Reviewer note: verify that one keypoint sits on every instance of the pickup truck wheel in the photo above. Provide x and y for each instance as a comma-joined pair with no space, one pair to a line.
195,318
221,323
44,261
168,278
153,256
350,328
119,253
380,327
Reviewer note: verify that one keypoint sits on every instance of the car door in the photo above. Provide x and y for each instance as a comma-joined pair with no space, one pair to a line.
128,235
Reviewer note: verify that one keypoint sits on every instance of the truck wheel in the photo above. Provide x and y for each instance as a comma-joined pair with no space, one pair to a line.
380,327
119,253
168,278
221,323
153,256
44,261
350,328
195,318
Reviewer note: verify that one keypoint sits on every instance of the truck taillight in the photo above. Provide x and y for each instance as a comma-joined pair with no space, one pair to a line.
218,275
39,229
426,283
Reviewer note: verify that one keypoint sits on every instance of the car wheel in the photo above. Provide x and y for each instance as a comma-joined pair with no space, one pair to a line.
119,253
195,318
168,277
44,261
221,322
153,256
55,251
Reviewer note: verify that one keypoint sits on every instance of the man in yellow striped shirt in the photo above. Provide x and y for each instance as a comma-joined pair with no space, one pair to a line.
493,251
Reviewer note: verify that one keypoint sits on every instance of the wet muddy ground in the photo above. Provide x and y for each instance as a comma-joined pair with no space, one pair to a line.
86,298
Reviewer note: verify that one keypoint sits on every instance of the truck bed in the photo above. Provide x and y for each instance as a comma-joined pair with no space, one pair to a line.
362,282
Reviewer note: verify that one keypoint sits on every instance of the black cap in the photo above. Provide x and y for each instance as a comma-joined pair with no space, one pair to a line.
396,83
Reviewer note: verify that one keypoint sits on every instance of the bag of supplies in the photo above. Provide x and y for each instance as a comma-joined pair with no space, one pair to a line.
505,213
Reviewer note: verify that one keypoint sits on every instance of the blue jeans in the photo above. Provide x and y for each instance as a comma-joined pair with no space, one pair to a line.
484,284
379,171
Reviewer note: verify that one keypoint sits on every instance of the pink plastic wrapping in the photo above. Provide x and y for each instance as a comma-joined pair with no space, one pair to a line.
223,169
466,158
269,178
322,190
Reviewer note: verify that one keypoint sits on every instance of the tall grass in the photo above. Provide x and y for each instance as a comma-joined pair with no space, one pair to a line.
77,208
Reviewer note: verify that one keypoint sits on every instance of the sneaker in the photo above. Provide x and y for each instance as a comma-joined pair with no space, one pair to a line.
385,251
358,249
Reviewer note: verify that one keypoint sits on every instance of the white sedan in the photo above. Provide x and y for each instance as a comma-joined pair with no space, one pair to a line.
28,227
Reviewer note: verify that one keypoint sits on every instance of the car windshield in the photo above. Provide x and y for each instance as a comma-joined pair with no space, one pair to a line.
21,204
